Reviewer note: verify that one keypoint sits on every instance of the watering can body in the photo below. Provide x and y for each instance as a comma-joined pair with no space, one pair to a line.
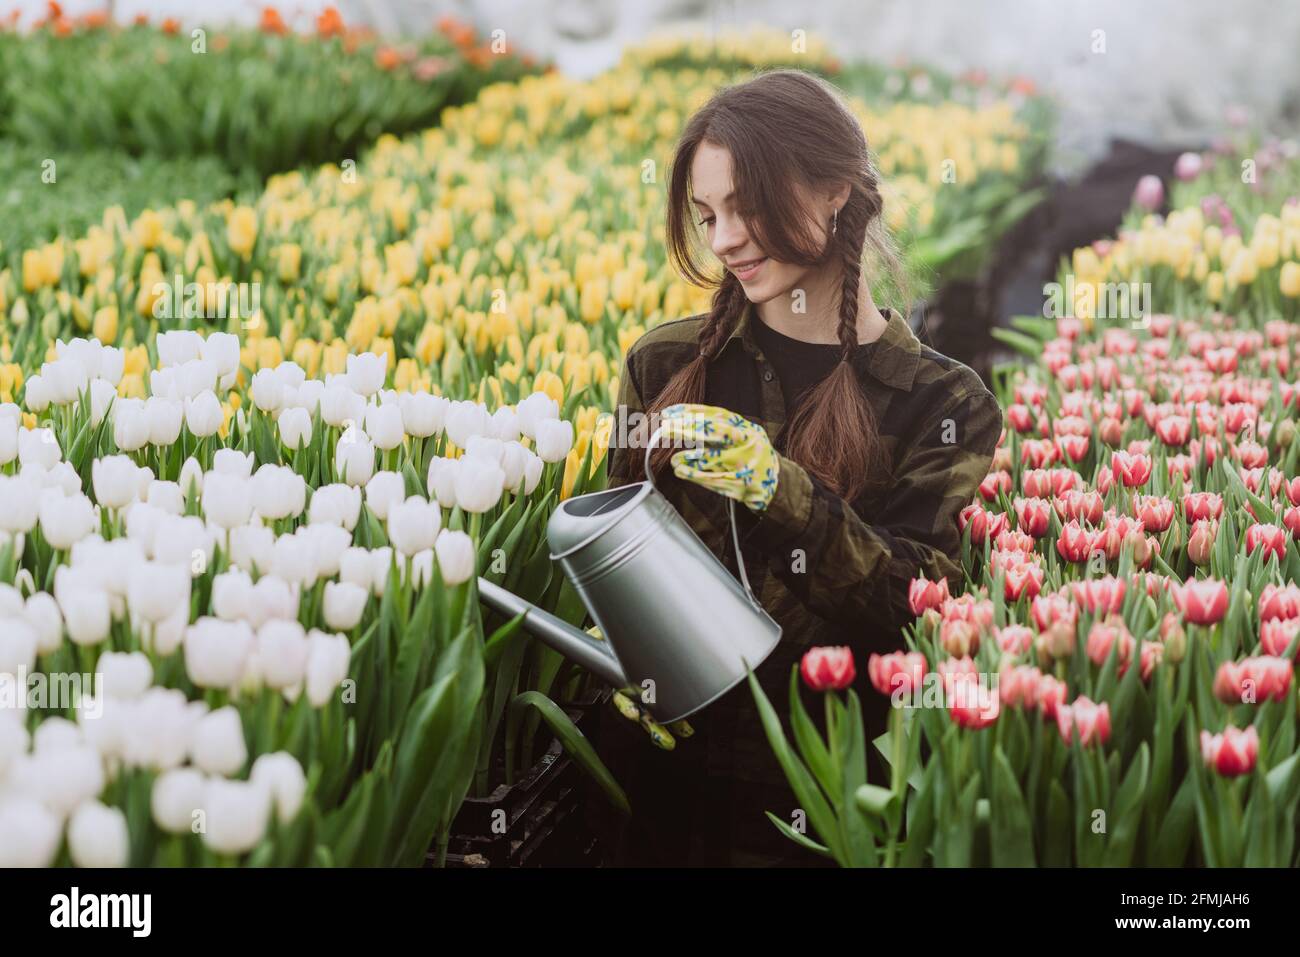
679,628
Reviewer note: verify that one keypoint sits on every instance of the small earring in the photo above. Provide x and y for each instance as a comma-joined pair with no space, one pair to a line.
835,220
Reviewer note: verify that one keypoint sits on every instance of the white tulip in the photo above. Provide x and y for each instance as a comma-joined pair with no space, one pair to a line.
535,408
97,836
143,479
227,499
165,417
381,565
63,777
29,834
327,544
335,504
115,479
222,350
283,776
293,560
178,346
413,525
8,440
252,547
42,613
273,597
64,379
295,428
18,644
384,426
422,568
278,492
340,407
282,651
112,363
64,477
36,394
11,601
554,439
157,590
215,652
56,734
130,424
367,372
217,742
478,485
102,394
156,728
504,425
232,462
483,448
85,351
344,605
164,637
232,595
456,556
87,615
514,463
423,414
307,396
176,795
142,521
184,540
191,477
237,813
65,519
290,375
384,490
125,674
354,457
268,391
19,501
354,567
194,378
465,419
14,739
166,496
442,480
328,660
203,414
38,447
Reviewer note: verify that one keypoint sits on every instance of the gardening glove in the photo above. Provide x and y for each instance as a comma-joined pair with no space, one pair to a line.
626,703
730,455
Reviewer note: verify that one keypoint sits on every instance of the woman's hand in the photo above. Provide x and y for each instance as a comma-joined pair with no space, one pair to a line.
730,455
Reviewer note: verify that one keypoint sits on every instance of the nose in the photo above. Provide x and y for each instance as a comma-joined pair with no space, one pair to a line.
729,235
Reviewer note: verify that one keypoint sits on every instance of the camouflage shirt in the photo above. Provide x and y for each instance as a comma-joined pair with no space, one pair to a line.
829,571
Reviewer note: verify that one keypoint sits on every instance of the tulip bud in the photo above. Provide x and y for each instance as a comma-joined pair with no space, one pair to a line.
456,556
344,603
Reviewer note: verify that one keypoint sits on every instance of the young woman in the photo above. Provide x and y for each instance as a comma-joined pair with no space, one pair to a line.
851,445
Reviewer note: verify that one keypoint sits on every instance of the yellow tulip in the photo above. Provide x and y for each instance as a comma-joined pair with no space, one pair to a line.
241,231
105,325
1289,280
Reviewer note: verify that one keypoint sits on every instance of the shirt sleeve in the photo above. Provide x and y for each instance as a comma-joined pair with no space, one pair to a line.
848,571
627,414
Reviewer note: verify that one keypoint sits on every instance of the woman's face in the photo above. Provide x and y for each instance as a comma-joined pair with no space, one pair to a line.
762,278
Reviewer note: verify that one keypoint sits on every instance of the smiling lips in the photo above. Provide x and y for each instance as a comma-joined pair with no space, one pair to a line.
747,270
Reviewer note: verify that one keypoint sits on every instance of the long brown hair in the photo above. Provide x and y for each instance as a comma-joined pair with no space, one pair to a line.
784,127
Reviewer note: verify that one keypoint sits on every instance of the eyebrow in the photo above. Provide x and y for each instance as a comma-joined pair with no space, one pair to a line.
700,202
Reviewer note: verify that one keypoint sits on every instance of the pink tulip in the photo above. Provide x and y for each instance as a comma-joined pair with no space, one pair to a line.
1271,538
1102,637
973,705
1232,753
1276,635
1202,601
1200,543
1091,720
1132,470
897,672
1014,639
828,668
1279,601
1188,166
1051,696
1018,687
1152,654
1149,194
923,594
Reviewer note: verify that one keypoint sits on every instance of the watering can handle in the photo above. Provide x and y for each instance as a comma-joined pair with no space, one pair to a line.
731,516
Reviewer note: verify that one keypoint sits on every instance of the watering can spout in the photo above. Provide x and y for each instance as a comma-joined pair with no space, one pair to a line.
576,645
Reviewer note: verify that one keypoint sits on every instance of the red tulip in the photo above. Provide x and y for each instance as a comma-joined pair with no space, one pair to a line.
994,482
1152,654
1102,637
1198,505
1020,418
1174,430
1073,447
953,671
1232,753
959,637
1200,543
1051,696
1276,635
1271,538
1132,470
1202,601
1091,720
982,522
923,594
1025,578
973,704
1075,543
897,673
1050,608
1013,540
1099,596
1014,639
1018,687
1291,519
1033,515
1279,601
1154,511
828,668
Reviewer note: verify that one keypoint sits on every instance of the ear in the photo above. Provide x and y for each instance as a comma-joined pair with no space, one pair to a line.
838,196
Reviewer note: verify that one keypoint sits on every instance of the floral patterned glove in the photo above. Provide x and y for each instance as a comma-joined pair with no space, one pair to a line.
729,455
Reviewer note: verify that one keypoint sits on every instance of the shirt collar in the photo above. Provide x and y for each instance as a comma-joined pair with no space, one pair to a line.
892,359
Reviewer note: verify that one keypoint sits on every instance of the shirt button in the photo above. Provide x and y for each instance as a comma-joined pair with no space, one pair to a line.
767,376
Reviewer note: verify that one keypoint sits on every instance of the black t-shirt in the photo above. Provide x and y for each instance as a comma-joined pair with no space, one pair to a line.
798,365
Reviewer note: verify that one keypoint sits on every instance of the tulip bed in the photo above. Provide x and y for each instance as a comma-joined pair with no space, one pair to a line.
1115,686
254,453
89,109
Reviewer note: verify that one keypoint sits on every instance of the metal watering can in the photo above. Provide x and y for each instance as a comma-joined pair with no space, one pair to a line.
670,612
